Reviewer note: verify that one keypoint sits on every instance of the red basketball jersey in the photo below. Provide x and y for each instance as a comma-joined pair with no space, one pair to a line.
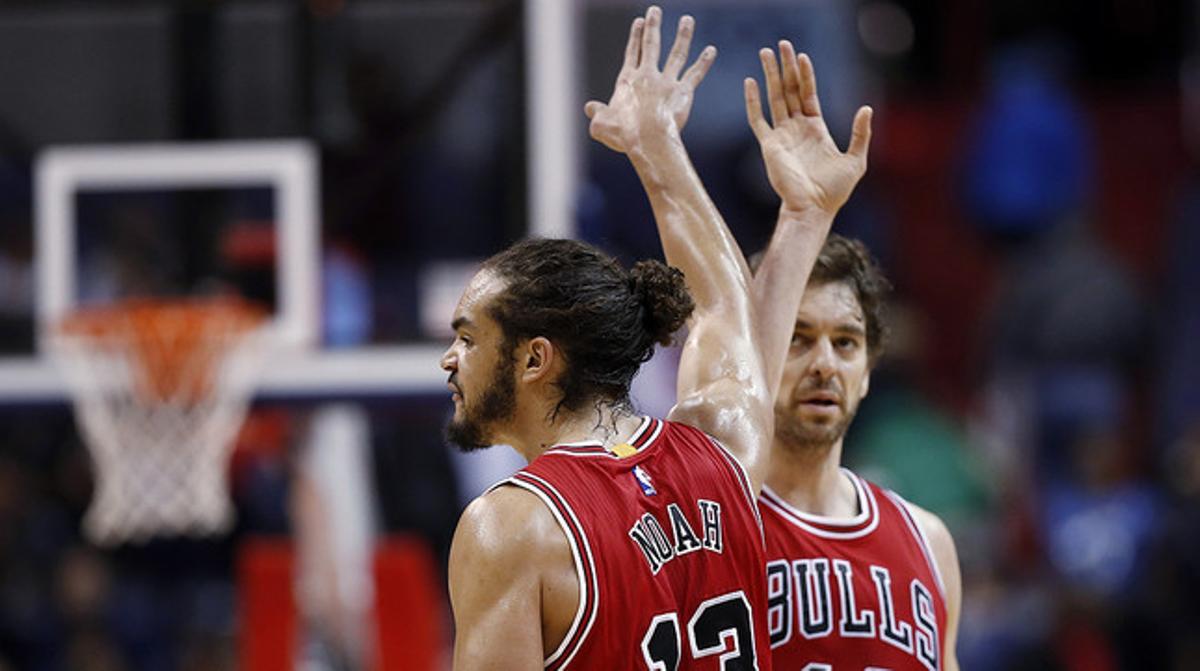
668,548
849,595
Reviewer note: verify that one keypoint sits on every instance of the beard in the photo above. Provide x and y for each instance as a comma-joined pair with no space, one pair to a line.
793,430
497,403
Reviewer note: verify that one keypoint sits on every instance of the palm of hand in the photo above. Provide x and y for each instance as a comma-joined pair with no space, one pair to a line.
805,167
803,164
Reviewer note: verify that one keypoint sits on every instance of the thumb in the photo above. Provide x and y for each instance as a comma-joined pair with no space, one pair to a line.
860,136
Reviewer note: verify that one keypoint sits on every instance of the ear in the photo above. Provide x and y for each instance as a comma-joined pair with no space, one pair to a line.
538,357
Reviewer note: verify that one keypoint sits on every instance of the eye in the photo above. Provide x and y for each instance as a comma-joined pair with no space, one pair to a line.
465,340
800,339
846,344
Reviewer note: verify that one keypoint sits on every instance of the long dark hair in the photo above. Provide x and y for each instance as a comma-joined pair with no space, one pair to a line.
604,318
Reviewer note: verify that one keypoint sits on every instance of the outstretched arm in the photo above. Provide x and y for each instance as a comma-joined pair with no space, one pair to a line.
643,120
812,178
721,389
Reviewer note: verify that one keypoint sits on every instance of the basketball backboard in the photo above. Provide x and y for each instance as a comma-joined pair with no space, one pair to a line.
282,177
454,186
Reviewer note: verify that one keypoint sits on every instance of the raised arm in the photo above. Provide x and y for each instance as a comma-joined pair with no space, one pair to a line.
643,120
812,178
721,388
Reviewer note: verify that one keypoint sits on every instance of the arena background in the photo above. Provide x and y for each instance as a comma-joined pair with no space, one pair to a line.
1033,192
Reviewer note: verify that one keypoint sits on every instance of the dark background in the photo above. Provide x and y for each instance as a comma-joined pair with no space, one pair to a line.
1032,193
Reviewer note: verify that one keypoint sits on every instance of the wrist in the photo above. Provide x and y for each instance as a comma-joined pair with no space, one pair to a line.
653,140
811,215
662,146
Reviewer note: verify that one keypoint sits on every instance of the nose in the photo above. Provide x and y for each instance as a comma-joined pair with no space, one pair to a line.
449,361
823,363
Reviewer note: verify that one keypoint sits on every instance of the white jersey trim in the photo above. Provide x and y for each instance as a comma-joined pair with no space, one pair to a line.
647,422
601,451
918,533
743,478
598,452
588,594
866,503
580,443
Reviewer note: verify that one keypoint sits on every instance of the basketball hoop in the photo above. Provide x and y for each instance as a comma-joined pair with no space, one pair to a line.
160,390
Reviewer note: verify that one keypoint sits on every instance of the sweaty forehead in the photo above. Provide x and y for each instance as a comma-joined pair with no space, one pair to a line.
831,303
480,291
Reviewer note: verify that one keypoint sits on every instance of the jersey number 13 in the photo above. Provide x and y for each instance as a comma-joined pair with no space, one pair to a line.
724,617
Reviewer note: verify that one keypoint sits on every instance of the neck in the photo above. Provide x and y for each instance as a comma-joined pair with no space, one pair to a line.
809,477
607,425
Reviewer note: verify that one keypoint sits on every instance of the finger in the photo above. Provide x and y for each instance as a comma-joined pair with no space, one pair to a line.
791,77
699,69
774,87
860,134
651,37
754,114
679,51
633,49
809,101
592,107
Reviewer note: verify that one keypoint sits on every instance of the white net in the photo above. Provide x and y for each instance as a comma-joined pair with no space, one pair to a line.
160,391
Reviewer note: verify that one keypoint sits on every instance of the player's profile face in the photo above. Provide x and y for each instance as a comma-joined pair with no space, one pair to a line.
481,381
827,371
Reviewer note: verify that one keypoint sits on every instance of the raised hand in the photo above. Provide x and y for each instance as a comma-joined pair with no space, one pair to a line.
804,165
647,100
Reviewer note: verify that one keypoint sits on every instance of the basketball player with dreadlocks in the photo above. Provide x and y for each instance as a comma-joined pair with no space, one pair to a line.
628,541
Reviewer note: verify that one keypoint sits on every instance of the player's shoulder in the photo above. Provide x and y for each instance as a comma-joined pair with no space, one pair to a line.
506,548
932,526
940,542
506,524
935,531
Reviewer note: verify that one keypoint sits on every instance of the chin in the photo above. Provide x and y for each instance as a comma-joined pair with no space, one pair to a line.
809,433
466,436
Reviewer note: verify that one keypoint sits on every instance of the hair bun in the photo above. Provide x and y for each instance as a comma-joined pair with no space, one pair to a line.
663,293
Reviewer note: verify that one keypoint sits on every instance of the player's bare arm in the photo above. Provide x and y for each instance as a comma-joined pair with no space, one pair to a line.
510,566
721,389
813,179
944,553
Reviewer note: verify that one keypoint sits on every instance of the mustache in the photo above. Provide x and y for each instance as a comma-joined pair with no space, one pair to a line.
818,387
806,389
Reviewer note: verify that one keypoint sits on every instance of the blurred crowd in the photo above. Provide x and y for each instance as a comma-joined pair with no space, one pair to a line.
1036,205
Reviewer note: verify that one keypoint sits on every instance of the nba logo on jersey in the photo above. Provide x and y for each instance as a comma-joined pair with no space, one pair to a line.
643,480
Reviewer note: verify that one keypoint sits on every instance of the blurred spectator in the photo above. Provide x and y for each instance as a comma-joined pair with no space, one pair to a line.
1179,331
1176,593
1029,160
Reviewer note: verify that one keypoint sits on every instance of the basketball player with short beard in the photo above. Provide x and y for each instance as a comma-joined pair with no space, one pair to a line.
857,577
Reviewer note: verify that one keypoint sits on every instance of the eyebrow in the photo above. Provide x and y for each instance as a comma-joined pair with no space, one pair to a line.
846,327
459,323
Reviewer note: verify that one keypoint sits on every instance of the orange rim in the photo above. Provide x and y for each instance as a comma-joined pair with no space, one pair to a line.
173,346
